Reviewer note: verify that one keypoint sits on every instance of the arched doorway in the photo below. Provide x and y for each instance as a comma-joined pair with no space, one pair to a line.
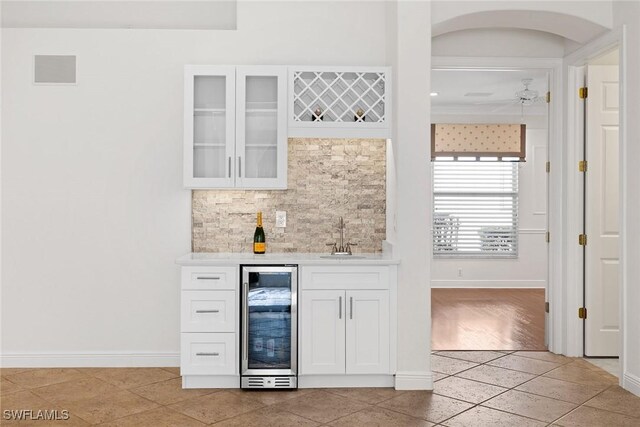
486,18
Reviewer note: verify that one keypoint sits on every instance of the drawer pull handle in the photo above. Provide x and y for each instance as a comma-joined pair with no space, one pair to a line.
339,307
208,278
207,311
207,354
350,307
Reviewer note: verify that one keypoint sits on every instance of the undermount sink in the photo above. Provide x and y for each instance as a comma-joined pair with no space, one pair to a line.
342,257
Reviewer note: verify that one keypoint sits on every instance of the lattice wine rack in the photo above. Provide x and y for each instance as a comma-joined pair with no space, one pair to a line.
349,97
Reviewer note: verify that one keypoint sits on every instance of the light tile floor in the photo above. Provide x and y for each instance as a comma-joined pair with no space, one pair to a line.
610,365
472,388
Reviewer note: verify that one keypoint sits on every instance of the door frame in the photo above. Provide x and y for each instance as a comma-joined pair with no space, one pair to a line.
574,66
555,196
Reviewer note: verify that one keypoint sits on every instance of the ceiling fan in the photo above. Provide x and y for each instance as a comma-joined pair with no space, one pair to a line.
524,97
528,96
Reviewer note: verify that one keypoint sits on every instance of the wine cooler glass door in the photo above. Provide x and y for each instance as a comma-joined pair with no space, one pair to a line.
269,320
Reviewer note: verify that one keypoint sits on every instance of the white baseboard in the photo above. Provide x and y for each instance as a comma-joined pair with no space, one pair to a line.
85,360
631,383
489,284
414,381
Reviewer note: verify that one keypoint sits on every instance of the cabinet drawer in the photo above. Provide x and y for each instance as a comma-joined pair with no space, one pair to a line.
208,354
345,277
209,278
208,311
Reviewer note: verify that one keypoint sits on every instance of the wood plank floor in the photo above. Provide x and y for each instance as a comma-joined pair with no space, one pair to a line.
487,319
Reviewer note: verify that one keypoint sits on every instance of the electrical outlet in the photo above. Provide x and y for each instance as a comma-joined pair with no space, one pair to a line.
459,272
281,219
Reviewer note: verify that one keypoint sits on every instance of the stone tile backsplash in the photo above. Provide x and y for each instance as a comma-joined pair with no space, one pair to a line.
327,178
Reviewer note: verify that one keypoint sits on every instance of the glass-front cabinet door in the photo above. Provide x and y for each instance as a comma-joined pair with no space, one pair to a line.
261,127
209,126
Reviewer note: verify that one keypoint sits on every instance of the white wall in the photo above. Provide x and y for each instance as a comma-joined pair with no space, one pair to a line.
94,213
410,56
529,270
628,13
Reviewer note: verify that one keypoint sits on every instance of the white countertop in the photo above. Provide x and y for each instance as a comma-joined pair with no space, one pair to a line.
284,258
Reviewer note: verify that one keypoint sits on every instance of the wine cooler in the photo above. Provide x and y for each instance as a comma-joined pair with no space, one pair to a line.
269,324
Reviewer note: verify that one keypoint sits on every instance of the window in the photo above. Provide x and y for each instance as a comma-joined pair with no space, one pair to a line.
475,208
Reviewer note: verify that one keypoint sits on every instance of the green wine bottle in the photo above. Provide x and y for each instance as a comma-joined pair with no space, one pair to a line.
259,242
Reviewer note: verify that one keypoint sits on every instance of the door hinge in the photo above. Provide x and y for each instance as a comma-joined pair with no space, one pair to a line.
582,313
582,165
548,97
548,167
546,307
582,240
583,92
547,237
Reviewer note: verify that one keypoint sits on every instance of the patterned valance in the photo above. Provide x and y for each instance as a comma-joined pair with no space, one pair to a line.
478,140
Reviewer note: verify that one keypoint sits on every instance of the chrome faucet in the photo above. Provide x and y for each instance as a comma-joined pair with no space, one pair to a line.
343,249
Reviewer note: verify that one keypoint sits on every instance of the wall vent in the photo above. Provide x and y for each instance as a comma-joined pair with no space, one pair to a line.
54,69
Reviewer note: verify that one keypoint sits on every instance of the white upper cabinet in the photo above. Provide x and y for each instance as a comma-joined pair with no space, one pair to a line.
235,133
261,127
209,126
340,102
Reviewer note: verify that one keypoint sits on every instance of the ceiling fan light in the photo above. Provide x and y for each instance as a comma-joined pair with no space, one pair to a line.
527,94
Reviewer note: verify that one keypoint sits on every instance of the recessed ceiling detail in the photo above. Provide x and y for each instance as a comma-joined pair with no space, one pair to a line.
489,91
478,94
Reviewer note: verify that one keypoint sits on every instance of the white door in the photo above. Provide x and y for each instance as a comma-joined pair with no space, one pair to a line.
209,126
322,340
602,288
367,332
261,127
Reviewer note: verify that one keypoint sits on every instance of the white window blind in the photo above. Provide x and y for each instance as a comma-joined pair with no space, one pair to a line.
475,208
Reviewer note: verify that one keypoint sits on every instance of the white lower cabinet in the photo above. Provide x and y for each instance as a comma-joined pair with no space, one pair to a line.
367,332
207,354
322,332
209,327
208,311
345,332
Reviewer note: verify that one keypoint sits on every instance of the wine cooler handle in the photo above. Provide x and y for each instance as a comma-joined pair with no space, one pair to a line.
339,307
350,307
229,166
245,320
